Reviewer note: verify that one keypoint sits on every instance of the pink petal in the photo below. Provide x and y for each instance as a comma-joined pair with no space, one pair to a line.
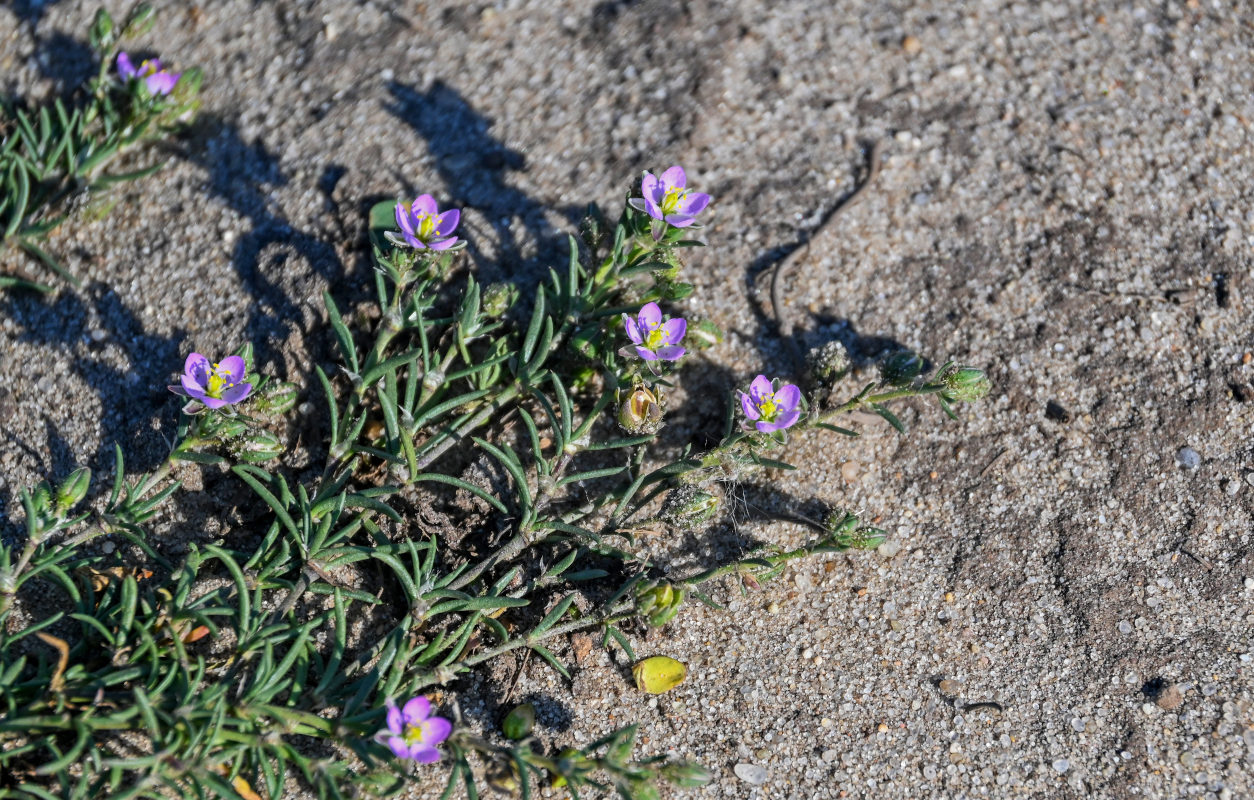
695,203
436,730
788,397
236,393
416,710
646,354
680,220
650,317
651,189
396,723
760,387
674,330
425,204
633,329
674,178
442,244
424,754
398,747
195,361
403,221
749,407
670,352
446,223
232,368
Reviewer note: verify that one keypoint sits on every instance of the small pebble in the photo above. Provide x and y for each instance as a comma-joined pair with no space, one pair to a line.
830,755
108,547
751,774
929,771
1170,698
1077,725
1062,765
849,471
1188,458
1125,627
1249,583
950,686
912,45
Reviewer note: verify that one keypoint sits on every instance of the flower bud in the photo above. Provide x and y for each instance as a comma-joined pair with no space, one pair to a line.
594,228
827,364
73,490
689,506
256,446
502,775
659,602
703,334
686,774
641,413
498,298
519,722
901,368
965,384
278,397
139,22
41,497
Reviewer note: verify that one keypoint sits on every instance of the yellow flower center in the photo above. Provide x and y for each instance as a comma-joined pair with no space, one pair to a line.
217,382
415,734
671,200
426,226
655,338
768,408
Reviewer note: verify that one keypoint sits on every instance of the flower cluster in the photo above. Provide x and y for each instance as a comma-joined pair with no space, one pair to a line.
157,81
413,733
214,384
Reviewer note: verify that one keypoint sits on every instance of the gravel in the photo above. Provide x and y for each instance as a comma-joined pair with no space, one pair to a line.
1066,199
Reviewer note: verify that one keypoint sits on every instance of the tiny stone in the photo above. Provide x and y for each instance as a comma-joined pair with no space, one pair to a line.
830,755
1148,708
772,608
950,686
1125,627
1077,725
750,773
912,45
1186,760
1233,487
1249,478
108,547
1249,583
889,548
929,771
849,471
1209,690
98,335
1062,765
1170,698
1188,458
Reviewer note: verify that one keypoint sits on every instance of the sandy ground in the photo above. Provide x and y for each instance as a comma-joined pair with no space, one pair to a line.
1065,199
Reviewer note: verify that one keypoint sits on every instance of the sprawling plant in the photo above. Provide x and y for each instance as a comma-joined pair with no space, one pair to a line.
489,462
54,157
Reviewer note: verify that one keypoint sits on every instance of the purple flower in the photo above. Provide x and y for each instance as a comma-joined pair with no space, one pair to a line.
667,200
769,406
215,385
655,339
423,226
159,82
413,733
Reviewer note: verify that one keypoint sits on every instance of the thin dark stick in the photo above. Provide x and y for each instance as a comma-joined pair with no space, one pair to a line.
784,268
